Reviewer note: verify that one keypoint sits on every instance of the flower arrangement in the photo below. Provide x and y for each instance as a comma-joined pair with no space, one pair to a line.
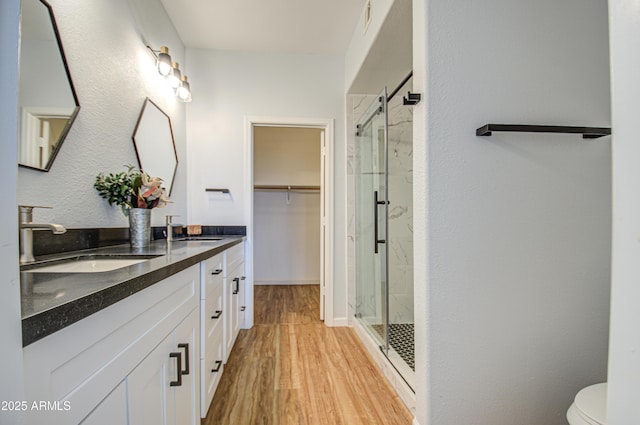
132,188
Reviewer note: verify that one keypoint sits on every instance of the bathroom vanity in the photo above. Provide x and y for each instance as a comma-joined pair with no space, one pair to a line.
143,343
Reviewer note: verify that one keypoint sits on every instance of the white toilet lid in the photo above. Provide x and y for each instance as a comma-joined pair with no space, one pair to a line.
591,402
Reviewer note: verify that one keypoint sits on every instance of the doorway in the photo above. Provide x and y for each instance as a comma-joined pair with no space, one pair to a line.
293,195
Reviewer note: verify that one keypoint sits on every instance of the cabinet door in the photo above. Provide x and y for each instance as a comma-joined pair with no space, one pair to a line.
230,317
234,271
149,386
112,410
242,305
187,398
237,303
163,388
232,326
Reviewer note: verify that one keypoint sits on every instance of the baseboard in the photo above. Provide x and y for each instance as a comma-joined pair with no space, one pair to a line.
339,321
286,282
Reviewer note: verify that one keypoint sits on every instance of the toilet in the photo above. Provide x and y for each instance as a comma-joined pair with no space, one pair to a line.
589,406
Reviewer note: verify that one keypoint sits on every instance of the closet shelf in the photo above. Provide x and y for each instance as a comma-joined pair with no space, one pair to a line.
283,187
587,132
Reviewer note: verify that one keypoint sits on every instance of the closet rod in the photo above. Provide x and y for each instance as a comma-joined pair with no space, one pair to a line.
282,187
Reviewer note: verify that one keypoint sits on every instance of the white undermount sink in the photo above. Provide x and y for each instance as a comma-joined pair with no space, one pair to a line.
88,266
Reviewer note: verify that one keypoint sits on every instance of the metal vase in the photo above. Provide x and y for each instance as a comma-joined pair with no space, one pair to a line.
139,227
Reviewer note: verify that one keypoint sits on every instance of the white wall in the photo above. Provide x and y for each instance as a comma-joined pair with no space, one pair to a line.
512,232
10,328
286,230
113,73
624,361
362,40
235,85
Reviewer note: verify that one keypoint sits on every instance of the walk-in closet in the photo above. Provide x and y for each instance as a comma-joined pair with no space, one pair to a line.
287,176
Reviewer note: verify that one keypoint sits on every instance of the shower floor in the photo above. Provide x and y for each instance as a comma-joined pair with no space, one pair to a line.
401,339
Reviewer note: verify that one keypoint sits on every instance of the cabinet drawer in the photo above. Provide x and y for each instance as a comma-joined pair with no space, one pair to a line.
211,369
211,274
213,317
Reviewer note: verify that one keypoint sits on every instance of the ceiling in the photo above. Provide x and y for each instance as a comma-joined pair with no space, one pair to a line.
283,26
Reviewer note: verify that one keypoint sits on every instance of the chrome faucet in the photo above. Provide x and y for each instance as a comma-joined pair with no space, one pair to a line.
169,231
26,231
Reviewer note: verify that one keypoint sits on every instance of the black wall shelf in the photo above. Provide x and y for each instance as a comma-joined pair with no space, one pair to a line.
587,132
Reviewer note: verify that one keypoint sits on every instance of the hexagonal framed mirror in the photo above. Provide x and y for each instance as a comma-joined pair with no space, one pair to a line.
47,98
154,144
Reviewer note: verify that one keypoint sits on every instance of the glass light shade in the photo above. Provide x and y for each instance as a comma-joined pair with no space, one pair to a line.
184,91
164,61
175,77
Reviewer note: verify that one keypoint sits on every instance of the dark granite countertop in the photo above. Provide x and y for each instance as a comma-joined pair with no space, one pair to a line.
52,301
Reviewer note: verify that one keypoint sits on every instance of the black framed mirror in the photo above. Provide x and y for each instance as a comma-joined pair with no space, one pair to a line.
47,98
154,144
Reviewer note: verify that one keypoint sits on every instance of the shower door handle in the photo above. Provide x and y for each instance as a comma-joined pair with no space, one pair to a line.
376,203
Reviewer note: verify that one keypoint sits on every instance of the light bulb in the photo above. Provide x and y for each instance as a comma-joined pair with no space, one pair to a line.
184,91
175,77
164,61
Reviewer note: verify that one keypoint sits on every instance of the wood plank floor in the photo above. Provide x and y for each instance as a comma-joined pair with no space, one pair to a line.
290,369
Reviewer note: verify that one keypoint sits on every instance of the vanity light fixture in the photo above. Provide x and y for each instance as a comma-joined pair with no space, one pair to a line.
184,91
171,70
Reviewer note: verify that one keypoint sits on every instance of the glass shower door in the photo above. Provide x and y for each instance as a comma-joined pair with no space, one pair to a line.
371,183
383,169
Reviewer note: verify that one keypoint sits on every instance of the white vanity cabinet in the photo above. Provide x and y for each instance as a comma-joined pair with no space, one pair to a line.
234,286
116,366
212,316
155,357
